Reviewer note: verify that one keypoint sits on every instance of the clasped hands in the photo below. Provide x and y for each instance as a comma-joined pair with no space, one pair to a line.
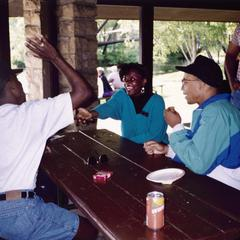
172,118
84,116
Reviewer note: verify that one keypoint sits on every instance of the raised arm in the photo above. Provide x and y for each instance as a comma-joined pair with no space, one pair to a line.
231,65
41,48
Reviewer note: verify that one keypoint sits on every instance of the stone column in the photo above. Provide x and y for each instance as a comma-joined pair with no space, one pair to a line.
77,42
77,39
31,13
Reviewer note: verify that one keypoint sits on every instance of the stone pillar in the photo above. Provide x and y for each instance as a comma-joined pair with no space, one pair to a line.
77,42
31,13
77,38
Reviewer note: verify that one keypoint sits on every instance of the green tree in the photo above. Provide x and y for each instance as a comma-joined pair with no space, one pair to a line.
117,41
17,39
190,38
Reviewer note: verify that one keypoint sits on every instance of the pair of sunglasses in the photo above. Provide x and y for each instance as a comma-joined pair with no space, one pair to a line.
93,160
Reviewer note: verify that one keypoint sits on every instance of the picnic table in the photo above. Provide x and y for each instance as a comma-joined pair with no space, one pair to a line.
196,207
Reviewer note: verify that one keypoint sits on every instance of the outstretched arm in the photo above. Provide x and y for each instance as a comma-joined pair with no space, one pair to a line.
41,48
84,116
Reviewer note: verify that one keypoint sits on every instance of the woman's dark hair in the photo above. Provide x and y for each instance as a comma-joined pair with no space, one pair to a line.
125,68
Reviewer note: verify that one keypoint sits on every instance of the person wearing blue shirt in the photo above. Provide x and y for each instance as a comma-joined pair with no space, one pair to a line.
210,147
140,112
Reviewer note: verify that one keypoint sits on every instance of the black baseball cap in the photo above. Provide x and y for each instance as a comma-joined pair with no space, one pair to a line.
206,70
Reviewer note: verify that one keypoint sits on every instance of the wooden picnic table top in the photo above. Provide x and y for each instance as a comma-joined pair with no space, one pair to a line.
196,207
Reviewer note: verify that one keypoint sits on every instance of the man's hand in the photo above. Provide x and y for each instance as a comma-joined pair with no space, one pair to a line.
41,48
84,116
172,117
153,147
81,90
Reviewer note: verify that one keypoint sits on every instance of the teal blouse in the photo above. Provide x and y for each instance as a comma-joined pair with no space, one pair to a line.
137,127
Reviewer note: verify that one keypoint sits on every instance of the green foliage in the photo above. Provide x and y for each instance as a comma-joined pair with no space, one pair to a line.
118,42
19,64
190,38
175,42
17,39
118,53
168,65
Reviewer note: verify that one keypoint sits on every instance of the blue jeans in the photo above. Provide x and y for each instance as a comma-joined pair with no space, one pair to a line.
34,219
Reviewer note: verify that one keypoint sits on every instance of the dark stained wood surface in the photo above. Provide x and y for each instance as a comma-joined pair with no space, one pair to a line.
196,207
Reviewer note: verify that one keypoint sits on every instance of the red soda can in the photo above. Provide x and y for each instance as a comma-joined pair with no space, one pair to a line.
99,178
155,210
102,176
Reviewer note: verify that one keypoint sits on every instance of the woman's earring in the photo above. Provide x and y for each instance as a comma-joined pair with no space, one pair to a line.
142,90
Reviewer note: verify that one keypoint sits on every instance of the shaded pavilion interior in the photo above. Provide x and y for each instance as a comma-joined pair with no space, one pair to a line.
144,11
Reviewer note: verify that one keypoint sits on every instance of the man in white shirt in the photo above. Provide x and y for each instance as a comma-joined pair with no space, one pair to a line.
25,128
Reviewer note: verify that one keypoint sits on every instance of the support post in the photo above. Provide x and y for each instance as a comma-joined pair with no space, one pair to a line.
146,41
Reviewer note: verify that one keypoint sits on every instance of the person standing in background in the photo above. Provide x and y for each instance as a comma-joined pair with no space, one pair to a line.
114,79
107,90
232,66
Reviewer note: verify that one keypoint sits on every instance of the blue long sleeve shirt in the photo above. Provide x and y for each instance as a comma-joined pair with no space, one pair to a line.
138,128
214,138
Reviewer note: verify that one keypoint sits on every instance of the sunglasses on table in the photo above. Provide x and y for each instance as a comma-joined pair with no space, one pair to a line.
96,159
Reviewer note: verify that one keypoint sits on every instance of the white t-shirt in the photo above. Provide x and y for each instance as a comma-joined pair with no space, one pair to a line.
24,130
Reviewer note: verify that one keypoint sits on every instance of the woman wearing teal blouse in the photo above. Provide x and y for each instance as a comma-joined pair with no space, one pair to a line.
141,113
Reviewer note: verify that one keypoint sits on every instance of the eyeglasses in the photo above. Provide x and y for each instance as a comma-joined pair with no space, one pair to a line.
96,159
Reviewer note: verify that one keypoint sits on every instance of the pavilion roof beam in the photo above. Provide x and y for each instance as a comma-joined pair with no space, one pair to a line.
204,4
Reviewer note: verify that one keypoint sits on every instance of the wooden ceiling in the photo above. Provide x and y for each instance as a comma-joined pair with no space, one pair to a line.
185,10
169,13
188,10
204,4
